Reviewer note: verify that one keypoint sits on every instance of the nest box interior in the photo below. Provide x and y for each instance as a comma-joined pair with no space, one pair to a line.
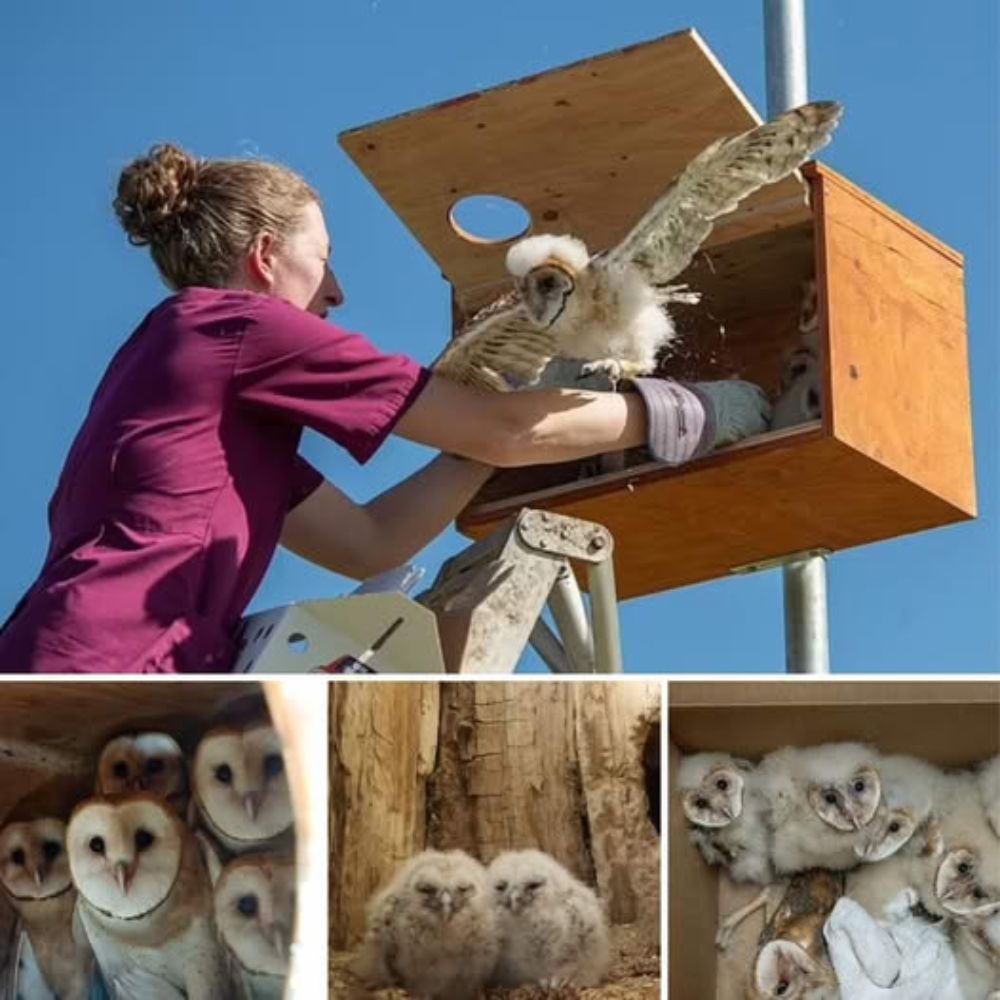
585,149
950,724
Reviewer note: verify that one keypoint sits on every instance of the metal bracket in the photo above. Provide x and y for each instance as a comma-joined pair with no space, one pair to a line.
558,535
779,561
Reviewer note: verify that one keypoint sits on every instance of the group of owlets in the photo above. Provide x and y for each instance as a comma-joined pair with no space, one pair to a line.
160,885
446,926
891,823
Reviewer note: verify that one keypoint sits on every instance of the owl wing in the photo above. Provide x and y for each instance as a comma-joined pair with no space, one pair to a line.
498,348
667,237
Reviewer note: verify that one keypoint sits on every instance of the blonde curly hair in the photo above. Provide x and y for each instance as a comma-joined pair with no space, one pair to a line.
199,217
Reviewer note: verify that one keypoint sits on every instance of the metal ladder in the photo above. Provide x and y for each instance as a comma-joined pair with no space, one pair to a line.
489,598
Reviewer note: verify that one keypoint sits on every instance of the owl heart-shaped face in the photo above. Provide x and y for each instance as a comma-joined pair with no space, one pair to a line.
125,853
33,863
255,912
966,886
241,785
784,970
717,800
143,762
889,831
850,804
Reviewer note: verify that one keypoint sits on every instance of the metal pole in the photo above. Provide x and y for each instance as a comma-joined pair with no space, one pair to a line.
570,615
547,645
807,644
604,613
785,53
807,647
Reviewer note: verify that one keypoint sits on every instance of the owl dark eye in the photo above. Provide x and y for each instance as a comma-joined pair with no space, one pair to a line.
96,845
51,849
465,888
143,840
273,765
978,893
701,803
547,284
120,770
859,786
537,884
500,886
782,988
426,888
154,765
17,856
894,827
224,774
964,868
247,905
799,369
831,798
722,784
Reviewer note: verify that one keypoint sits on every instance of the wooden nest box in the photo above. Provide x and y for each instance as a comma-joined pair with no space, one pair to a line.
586,149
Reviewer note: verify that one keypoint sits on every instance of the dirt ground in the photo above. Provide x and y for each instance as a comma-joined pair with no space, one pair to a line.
635,975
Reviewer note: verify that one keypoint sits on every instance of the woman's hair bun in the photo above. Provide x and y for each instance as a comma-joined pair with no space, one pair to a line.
154,190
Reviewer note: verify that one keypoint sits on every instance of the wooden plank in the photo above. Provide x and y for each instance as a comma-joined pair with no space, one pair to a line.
894,304
674,527
585,149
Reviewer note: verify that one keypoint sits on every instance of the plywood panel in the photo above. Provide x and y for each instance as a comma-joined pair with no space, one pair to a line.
584,148
674,527
895,310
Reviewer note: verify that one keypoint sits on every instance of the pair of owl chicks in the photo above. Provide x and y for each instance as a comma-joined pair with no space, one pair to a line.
892,822
173,888
445,926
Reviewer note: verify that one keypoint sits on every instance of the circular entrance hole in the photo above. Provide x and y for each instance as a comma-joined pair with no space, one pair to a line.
489,218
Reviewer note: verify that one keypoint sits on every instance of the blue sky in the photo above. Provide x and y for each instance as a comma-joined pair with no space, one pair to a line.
87,86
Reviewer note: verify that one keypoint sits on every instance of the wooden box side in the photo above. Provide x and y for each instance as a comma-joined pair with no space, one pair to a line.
894,307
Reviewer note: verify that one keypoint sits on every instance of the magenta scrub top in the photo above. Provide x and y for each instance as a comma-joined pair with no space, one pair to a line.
173,495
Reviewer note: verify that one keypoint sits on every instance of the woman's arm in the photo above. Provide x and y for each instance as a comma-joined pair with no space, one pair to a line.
360,540
532,427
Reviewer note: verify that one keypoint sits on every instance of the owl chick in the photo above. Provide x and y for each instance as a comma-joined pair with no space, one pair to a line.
552,926
145,901
255,915
907,799
800,393
727,815
432,930
35,876
609,310
791,961
967,883
241,790
820,800
144,762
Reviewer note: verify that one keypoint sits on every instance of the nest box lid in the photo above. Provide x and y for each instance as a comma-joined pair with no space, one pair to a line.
584,149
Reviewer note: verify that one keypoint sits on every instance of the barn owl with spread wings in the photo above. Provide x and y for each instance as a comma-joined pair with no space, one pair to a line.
610,309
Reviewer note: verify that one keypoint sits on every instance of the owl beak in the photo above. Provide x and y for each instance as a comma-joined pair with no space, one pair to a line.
280,940
950,892
726,811
39,877
251,803
447,905
123,876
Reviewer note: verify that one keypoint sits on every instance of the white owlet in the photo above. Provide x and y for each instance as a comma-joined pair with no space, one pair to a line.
967,883
784,970
800,393
255,915
145,900
241,790
821,798
432,930
144,762
35,876
907,800
977,957
610,309
553,929
727,814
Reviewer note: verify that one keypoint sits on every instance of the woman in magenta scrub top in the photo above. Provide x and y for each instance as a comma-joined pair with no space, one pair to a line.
185,475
